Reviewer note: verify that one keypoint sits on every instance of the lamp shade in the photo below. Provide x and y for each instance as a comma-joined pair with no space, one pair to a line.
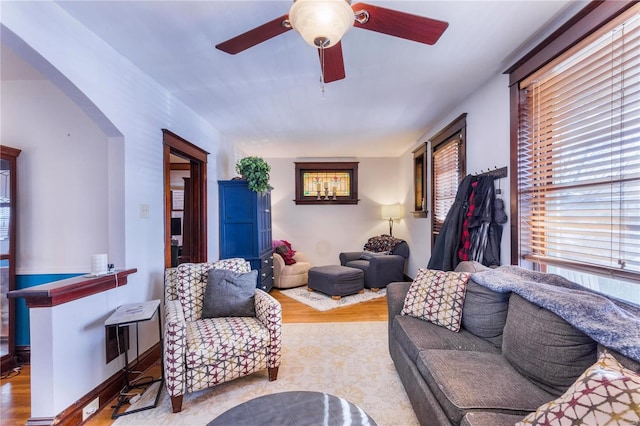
321,23
393,211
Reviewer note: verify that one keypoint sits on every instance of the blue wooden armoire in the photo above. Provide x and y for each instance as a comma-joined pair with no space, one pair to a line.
245,228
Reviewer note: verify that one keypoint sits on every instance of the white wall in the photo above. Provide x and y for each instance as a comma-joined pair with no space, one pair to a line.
62,164
487,147
131,109
323,231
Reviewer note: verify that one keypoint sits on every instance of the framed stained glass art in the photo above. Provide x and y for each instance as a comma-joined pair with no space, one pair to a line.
326,183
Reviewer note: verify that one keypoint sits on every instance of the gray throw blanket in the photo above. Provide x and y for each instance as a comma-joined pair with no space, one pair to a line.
610,322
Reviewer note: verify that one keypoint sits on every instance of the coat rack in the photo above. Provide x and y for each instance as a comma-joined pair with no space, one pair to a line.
496,173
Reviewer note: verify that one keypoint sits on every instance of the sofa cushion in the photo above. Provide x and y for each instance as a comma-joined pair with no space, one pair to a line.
296,269
606,393
464,381
471,266
544,347
367,255
414,335
437,297
363,265
485,312
229,294
212,341
626,362
482,418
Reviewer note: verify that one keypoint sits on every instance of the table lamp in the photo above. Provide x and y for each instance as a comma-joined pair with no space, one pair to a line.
391,212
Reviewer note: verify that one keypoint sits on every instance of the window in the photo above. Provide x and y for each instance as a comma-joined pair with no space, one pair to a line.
448,156
420,181
5,200
327,183
577,154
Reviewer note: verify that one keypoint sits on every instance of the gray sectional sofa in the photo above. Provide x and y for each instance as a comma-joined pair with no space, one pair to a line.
509,357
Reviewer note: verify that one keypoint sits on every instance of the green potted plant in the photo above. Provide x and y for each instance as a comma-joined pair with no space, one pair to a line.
256,171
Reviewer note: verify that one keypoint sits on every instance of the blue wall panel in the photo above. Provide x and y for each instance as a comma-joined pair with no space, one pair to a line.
21,311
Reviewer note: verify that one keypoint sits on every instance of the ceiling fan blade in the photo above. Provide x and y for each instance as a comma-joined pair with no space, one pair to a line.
255,36
400,24
332,63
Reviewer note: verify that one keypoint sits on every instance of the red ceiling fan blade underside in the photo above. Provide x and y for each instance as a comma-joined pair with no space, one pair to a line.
255,36
332,63
400,24
379,19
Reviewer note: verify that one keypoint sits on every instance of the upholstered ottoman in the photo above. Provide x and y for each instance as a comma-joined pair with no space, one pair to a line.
336,280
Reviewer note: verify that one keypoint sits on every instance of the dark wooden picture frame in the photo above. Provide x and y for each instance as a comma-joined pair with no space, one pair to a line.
337,166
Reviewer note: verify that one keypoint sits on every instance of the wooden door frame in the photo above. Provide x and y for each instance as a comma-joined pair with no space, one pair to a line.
174,144
8,361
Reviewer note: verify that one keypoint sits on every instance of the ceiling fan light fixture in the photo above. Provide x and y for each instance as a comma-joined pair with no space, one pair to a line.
321,23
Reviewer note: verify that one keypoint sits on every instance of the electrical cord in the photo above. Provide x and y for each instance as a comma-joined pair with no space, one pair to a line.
131,397
149,380
11,373
126,399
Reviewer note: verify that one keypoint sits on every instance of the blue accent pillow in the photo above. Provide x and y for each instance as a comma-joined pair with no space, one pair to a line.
230,294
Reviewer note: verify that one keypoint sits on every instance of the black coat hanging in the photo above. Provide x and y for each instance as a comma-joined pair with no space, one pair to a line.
444,255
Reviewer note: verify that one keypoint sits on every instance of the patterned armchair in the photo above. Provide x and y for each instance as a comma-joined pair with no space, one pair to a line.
204,352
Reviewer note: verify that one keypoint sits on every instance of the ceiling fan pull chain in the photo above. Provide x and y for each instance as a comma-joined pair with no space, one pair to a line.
322,71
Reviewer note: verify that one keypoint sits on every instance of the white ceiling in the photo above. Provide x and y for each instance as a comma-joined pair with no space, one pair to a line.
268,100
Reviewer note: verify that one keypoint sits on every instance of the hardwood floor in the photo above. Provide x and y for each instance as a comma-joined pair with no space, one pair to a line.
16,395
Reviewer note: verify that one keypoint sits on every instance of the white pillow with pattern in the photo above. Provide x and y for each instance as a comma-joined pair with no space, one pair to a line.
605,394
437,297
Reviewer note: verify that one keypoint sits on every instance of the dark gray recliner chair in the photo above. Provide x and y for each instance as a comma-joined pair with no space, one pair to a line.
379,269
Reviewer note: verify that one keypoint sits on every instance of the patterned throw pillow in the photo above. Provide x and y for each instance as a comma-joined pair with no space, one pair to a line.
605,394
437,297
382,243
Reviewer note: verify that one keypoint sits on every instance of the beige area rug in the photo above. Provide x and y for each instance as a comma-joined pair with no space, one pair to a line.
322,302
348,360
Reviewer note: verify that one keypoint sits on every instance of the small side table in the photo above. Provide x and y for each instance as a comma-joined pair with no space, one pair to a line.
135,313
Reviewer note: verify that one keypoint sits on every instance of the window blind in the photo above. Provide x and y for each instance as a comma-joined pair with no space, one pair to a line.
579,155
447,168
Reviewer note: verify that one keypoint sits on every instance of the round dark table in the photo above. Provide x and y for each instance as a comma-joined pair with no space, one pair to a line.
295,409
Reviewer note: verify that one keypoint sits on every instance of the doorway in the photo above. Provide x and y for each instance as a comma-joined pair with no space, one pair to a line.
185,194
8,216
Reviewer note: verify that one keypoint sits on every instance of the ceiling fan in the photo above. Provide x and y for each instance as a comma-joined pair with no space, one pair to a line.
322,23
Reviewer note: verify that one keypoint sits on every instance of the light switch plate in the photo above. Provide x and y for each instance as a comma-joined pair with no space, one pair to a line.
144,211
